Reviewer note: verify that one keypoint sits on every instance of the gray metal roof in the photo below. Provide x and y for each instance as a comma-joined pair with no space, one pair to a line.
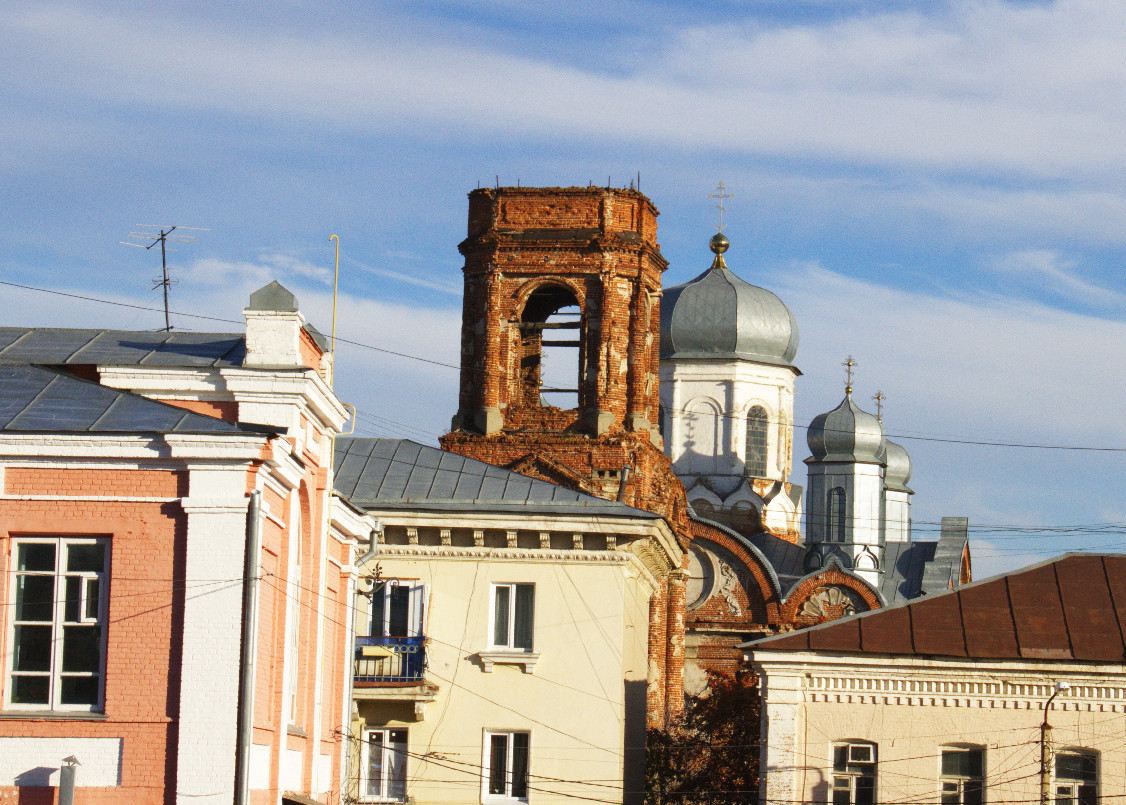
399,473
719,315
905,563
845,434
898,471
275,297
59,346
38,400
911,569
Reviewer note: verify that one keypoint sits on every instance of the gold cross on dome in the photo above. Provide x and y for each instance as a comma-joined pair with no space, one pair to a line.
879,398
848,374
721,195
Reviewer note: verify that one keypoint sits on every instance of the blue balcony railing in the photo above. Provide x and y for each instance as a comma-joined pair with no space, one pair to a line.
390,659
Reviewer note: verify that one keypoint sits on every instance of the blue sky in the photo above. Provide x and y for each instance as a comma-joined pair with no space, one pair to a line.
935,188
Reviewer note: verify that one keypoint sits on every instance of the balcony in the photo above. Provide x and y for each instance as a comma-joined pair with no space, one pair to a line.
392,669
390,660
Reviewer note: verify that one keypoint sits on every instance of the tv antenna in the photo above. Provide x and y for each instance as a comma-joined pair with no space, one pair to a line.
163,236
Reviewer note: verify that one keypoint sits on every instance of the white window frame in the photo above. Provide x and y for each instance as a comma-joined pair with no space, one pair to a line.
960,780
486,766
387,764
1073,784
509,643
56,673
416,608
851,775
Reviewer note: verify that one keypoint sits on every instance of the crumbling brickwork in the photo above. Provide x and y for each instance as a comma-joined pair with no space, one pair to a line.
531,253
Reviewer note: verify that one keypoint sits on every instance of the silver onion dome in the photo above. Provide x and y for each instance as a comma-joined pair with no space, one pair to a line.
719,315
898,471
846,434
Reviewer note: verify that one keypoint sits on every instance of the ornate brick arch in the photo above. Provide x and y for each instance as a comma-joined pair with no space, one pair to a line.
826,595
521,295
752,571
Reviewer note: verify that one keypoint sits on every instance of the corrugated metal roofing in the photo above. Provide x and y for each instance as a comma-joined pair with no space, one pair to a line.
38,400
60,346
399,473
1070,608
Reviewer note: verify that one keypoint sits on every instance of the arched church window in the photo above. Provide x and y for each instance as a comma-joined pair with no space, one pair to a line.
836,515
754,461
550,348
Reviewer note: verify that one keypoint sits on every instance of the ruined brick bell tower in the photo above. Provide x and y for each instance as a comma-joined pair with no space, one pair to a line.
567,276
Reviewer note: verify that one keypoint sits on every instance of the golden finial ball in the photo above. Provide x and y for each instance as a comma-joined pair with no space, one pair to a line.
719,243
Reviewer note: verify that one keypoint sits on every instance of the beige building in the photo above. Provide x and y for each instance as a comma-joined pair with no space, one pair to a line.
502,644
944,699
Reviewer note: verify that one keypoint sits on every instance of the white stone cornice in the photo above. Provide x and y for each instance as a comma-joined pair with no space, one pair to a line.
236,446
525,659
348,522
284,467
92,498
83,446
214,505
474,554
657,529
304,387
944,682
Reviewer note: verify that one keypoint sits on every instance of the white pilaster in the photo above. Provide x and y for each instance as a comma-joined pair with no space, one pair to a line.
209,674
780,753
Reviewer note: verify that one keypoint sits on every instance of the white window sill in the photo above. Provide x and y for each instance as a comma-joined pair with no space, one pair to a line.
507,656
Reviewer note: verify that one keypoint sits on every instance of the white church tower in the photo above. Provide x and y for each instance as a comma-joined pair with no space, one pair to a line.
727,398
845,499
897,495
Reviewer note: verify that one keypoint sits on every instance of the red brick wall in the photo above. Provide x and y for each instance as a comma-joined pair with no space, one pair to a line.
123,483
658,653
146,553
225,410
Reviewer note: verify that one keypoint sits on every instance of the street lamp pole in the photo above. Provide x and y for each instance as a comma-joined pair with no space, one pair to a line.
1046,749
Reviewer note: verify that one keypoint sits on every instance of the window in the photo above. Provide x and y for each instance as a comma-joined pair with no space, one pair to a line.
755,457
513,615
397,609
963,775
58,638
384,766
506,766
1077,778
551,360
854,774
836,515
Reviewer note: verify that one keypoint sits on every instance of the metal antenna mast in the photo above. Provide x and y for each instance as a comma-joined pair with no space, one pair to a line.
162,236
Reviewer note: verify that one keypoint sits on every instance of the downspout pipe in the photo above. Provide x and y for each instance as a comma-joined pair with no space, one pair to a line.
249,647
626,469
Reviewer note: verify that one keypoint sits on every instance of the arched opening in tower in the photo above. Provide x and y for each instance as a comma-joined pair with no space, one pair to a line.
551,348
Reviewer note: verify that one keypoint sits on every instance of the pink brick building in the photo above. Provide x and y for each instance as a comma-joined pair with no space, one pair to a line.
178,575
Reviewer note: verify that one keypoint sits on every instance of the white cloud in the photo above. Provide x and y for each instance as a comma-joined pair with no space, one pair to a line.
1032,88
410,279
1050,268
243,274
980,367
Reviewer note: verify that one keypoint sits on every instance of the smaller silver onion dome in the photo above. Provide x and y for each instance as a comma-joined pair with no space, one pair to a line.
846,434
720,315
898,471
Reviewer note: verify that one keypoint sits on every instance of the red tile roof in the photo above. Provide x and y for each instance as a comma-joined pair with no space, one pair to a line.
1069,608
